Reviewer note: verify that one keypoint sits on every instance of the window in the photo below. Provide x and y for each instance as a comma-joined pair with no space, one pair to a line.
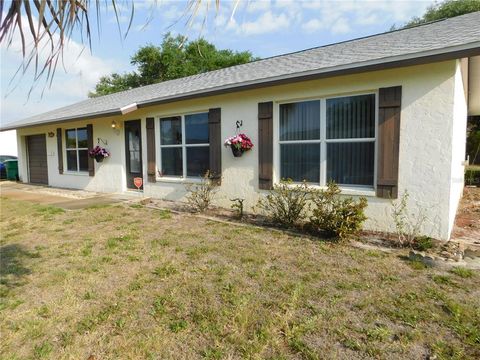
184,145
76,147
329,139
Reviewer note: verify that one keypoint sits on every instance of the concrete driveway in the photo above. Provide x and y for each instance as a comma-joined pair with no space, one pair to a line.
63,198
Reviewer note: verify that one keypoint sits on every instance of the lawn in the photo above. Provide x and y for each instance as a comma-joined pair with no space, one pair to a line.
131,282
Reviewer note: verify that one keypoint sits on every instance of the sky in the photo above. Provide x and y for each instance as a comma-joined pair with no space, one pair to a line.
264,27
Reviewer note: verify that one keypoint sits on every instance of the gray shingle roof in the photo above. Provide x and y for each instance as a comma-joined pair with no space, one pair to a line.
450,36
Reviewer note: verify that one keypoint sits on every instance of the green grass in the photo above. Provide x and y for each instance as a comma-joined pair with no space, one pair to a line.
145,284
462,272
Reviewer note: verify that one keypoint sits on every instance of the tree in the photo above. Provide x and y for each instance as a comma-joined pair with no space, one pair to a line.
446,9
176,57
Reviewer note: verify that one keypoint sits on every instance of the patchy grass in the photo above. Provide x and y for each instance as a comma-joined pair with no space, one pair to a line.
462,272
143,283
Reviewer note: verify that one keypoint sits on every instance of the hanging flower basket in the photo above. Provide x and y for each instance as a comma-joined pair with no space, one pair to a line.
239,144
98,153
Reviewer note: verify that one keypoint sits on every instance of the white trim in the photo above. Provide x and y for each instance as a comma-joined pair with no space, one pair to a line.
76,173
350,140
128,108
176,180
323,141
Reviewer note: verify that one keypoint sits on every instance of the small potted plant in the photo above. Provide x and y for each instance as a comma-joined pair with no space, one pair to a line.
239,144
99,153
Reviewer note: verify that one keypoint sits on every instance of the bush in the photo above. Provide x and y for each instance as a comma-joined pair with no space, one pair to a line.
334,215
472,176
286,204
200,196
423,243
237,206
407,224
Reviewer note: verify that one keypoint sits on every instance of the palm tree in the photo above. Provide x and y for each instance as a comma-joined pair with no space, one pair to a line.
44,26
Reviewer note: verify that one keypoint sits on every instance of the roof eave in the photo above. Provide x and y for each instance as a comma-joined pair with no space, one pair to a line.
65,119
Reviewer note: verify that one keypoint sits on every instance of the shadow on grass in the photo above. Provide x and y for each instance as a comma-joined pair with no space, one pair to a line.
12,267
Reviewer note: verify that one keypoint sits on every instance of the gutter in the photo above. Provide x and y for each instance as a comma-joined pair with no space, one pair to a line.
454,52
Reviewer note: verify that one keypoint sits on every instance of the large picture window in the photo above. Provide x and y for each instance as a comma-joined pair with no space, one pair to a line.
76,147
329,139
184,145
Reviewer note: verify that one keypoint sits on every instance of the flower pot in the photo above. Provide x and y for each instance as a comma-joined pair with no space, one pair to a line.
237,152
99,158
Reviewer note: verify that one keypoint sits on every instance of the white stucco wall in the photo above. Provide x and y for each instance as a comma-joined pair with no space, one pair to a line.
109,175
429,95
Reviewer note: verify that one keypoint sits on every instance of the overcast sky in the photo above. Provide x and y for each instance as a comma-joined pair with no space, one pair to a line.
266,28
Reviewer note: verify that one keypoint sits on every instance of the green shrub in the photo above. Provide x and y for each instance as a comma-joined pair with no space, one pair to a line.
286,204
422,243
334,215
472,176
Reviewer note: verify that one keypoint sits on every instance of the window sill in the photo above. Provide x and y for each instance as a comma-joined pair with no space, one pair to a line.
360,191
76,173
178,180
346,190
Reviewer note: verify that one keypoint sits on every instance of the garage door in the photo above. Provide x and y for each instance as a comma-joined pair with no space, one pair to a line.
37,159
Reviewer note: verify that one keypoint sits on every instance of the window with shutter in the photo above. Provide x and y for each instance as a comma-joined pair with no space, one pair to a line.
329,139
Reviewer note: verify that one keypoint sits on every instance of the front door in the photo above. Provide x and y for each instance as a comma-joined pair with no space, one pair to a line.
133,147
37,159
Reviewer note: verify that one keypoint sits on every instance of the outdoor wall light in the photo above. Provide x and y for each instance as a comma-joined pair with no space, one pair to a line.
114,125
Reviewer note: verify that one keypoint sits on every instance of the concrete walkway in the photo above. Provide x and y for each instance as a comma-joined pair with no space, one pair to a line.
64,198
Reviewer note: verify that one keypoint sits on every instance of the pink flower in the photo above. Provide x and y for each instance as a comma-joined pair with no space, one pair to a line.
240,141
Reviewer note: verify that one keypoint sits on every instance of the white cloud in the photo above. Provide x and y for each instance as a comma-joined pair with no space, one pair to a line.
340,26
266,23
77,72
339,17
312,25
254,6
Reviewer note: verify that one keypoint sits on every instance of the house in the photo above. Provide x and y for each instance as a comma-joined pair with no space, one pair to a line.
380,115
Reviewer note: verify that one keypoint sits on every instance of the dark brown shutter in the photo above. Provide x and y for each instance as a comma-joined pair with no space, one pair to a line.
91,163
215,138
151,162
265,145
60,151
390,101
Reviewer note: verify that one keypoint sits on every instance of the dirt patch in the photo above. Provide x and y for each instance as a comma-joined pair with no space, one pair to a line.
467,221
